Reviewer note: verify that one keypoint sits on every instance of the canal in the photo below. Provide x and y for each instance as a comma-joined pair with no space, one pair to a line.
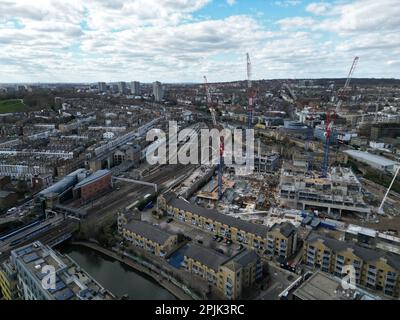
115,276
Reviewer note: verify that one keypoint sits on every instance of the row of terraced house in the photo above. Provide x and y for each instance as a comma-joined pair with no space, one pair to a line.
280,240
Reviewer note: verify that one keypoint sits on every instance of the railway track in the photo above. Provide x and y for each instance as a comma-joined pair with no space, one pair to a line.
129,195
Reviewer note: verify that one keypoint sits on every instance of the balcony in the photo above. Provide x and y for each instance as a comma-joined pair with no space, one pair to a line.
371,274
339,263
391,277
371,281
311,257
325,263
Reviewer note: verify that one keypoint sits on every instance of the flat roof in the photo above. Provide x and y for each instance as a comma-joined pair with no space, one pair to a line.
320,286
366,156
355,229
323,286
72,282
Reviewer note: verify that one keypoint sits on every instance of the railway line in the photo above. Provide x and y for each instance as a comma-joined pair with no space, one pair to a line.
108,205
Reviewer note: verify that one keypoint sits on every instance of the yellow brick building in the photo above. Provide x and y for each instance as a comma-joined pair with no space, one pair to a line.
253,236
8,281
374,269
282,240
230,275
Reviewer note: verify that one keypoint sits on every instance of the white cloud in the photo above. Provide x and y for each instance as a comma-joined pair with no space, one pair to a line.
287,3
231,2
296,23
321,8
109,40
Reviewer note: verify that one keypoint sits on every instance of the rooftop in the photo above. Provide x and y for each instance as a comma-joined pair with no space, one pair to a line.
93,177
323,286
72,283
285,228
208,257
366,156
148,231
366,254
257,229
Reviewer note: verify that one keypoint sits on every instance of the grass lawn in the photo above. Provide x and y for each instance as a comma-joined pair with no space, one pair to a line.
13,105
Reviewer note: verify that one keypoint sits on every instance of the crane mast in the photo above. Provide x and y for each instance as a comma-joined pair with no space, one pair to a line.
251,94
343,90
331,117
221,141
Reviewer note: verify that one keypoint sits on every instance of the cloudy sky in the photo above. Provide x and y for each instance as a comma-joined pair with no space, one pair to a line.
182,40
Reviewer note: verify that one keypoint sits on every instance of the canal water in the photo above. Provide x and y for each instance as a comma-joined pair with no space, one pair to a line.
115,276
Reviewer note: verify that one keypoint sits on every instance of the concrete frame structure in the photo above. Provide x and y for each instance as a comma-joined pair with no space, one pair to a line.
340,191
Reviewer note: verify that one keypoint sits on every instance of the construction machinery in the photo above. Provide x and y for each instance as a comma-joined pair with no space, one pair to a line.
331,117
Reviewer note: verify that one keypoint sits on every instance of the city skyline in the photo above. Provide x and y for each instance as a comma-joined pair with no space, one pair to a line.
179,41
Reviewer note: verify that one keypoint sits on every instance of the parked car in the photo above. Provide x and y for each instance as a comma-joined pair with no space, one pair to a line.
220,250
170,220
215,237
200,241
228,242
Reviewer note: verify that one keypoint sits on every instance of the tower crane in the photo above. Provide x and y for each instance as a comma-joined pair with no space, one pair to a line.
331,117
342,92
221,141
251,93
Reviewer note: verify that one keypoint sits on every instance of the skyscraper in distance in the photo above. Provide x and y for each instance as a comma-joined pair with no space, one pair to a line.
135,88
158,91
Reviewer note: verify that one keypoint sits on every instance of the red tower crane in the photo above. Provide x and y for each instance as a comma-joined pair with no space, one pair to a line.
331,117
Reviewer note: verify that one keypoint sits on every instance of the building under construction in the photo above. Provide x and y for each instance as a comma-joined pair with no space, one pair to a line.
339,192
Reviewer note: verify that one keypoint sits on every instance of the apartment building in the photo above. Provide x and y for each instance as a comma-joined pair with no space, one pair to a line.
36,263
158,91
148,237
253,236
375,269
230,275
282,240
8,281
